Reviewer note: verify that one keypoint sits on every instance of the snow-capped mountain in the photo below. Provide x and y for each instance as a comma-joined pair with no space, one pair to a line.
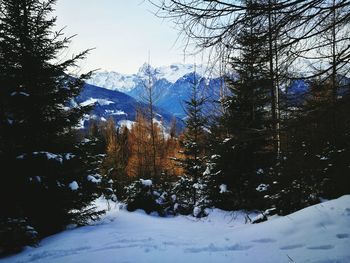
174,72
117,105
114,81
172,84
126,82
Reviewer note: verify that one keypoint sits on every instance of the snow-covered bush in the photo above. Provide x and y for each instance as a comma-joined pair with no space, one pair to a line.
216,192
140,195
16,233
183,193
188,197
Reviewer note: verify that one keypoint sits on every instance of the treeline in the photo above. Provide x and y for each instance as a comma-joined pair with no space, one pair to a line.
128,152
154,168
281,140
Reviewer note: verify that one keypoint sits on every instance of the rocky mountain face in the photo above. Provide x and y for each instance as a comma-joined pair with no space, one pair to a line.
172,84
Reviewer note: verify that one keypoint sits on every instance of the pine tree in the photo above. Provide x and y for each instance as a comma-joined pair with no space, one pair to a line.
314,165
46,185
241,146
189,188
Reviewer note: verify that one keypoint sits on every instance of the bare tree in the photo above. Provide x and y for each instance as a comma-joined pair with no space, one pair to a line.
292,29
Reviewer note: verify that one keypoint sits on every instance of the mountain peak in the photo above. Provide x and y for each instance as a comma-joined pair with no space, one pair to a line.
145,70
126,82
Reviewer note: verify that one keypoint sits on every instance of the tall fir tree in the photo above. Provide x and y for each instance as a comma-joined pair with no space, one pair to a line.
314,165
46,185
241,148
189,188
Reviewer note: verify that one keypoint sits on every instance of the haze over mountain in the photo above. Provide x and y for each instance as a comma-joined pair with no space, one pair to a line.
172,85
126,82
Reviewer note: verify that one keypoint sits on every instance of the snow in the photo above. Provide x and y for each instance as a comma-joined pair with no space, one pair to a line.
113,80
174,72
93,179
21,157
146,182
262,187
260,171
86,140
126,82
258,218
196,211
223,188
207,171
81,123
69,156
20,93
317,234
126,123
226,140
196,186
162,127
115,112
73,186
49,156
24,94
102,102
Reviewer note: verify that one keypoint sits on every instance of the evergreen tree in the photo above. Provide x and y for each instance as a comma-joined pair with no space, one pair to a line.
314,165
241,145
46,184
189,188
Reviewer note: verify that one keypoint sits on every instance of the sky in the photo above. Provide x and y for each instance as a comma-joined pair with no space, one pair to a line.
122,32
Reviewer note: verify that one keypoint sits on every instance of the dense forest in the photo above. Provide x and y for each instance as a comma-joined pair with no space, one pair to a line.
279,140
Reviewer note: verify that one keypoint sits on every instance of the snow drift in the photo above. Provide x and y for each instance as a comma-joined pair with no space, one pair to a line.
317,234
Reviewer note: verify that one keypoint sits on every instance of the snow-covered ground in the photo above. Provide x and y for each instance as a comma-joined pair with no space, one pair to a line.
319,233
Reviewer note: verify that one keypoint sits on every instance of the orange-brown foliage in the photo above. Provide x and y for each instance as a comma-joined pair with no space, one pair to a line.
140,163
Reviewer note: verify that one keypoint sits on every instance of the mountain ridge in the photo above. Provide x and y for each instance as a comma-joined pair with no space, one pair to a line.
117,105
126,82
172,84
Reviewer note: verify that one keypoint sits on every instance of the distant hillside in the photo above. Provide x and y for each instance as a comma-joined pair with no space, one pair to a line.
173,84
120,106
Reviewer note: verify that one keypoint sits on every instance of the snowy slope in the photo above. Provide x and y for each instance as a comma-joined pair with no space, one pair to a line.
317,234
174,72
117,105
113,81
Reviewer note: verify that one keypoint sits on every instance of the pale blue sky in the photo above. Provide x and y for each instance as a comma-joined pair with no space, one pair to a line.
122,31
